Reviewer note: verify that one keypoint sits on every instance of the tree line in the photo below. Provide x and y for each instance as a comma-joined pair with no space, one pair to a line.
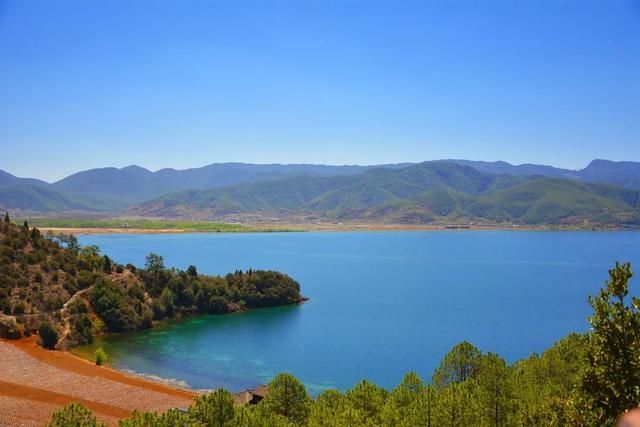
53,277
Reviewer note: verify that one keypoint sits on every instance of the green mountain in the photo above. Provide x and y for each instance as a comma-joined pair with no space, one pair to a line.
348,191
423,193
42,199
137,183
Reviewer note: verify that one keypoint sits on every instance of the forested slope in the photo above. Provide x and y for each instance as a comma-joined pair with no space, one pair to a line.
425,193
78,292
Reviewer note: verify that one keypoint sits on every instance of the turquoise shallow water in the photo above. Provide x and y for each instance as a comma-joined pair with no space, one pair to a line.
382,303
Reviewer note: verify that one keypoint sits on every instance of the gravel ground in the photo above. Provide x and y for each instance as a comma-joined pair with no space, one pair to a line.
49,386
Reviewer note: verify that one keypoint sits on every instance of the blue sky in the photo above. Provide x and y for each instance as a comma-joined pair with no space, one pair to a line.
186,83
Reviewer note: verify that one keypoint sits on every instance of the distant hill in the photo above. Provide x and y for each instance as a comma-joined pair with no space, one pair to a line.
624,174
8,180
423,193
135,183
40,199
504,168
112,190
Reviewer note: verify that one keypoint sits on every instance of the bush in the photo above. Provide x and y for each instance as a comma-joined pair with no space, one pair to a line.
101,357
74,415
18,310
48,335
83,329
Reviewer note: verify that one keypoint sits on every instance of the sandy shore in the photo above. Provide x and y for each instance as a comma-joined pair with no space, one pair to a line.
35,382
268,227
111,230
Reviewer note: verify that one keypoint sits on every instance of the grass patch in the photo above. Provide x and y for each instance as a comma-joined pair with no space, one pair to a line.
145,224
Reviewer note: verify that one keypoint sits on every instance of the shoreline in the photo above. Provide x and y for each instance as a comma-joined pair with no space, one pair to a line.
66,360
50,379
329,227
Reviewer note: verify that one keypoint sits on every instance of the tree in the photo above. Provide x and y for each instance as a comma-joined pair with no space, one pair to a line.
167,302
494,389
48,335
6,217
403,402
213,409
258,416
369,399
35,234
458,365
192,271
326,409
287,396
106,264
74,415
171,418
154,263
612,379
455,406
72,243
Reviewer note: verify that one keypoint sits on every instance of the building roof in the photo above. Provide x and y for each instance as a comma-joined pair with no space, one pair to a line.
252,395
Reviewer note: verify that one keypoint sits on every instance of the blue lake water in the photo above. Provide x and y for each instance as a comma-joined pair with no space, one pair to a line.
381,303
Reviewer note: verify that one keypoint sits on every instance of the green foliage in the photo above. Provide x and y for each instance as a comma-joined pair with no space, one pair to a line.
192,271
368,400
115,306
258,416
101,357
74,415
106,264
213,409
167,302
288,397
48,335
612,380
40,275
154,263
495,390
171,418
82,329
144,224
458,365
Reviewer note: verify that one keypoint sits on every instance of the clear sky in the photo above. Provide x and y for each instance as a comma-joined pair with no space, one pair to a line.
181,83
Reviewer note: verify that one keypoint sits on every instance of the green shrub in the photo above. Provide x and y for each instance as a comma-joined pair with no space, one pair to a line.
101,357
19,309
48,335
74,415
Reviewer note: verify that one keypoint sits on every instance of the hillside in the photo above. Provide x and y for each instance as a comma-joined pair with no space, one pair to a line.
8,180
39,199
134,182
50,280
623,174
108,191
424,193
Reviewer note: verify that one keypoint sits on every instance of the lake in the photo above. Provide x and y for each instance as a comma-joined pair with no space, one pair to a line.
381,303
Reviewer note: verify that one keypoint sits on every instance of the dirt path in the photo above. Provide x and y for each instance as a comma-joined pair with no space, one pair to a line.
67,317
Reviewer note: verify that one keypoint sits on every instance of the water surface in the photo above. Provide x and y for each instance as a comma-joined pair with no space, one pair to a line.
381,303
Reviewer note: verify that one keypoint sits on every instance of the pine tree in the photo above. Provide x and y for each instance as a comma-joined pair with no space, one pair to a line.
612,379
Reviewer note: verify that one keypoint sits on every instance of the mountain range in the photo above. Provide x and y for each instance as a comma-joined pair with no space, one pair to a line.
604,192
